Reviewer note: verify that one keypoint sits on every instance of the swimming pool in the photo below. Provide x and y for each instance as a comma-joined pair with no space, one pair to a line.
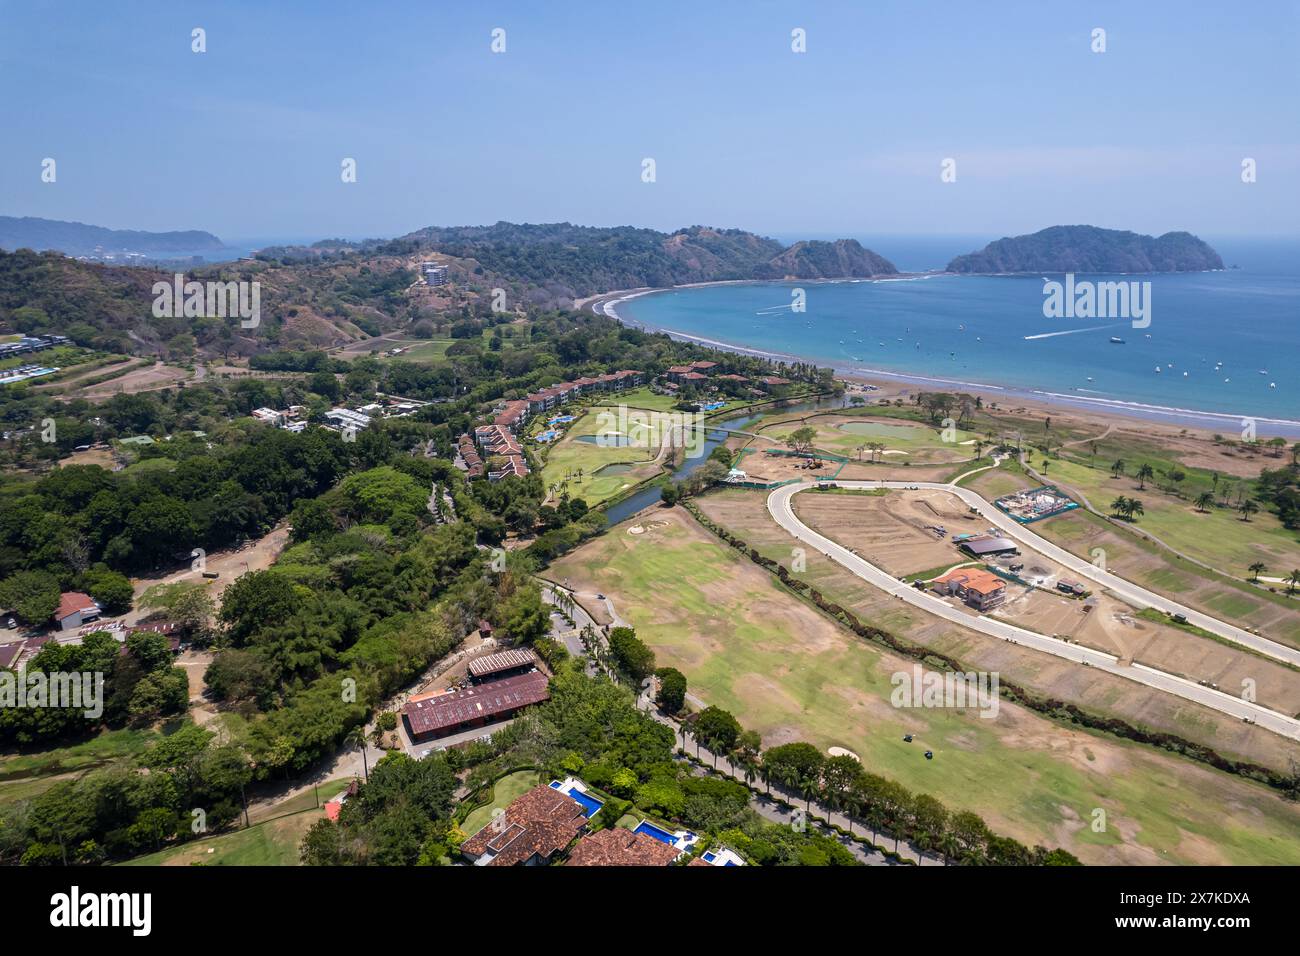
549,435
590,805
649,829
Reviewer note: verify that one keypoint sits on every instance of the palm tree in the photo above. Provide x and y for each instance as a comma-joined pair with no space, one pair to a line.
1293,581
1135,508
1144,473
1119,506
1117,469
1204,500
1255,570
1247,508
357,738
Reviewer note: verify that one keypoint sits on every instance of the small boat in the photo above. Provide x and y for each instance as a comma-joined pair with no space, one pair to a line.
1116,340
1157,368
1272,384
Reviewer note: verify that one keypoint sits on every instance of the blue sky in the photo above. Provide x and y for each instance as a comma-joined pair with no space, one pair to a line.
246,139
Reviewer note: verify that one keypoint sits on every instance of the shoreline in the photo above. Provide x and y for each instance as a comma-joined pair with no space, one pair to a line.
1105,409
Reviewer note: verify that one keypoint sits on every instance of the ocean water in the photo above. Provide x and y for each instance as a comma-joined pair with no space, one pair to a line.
1227,343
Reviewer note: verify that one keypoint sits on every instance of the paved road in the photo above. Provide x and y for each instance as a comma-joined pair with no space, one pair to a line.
779,504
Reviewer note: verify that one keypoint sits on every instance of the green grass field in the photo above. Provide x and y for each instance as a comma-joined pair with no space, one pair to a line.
909,440
273,843
507,789
570,455
749,646
1217,537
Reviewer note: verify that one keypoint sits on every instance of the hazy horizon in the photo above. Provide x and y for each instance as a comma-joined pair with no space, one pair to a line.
247,139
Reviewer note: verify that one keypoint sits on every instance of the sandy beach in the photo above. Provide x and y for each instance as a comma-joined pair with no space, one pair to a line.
1104,412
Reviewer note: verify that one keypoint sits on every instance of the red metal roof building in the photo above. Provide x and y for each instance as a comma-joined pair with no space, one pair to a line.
473,706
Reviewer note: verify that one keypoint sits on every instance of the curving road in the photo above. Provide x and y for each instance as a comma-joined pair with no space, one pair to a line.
779,505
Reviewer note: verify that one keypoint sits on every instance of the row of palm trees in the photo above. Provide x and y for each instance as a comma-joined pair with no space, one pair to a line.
1292,580
842,784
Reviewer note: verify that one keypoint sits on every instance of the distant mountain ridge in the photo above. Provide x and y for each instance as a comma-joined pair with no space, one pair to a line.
1091,249
80,239
590,260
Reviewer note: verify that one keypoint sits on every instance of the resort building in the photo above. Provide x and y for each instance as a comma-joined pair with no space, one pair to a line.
344,418
449,712
497,441
434,274
980,589
467,457
512,415
534,828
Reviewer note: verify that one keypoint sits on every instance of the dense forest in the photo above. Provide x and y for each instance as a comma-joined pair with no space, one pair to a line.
587,260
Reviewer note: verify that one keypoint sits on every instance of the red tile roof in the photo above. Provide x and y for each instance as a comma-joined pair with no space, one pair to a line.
72,601
540,822
619,847
973,579
480,702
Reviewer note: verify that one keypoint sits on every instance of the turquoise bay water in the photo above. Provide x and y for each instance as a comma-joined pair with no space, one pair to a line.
973,329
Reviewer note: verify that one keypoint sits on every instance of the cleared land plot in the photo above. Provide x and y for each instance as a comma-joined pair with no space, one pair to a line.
1144,562
745,514
784,669
145,379
889,531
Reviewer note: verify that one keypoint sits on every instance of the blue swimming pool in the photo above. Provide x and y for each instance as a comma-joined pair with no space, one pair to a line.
663,836
590,805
